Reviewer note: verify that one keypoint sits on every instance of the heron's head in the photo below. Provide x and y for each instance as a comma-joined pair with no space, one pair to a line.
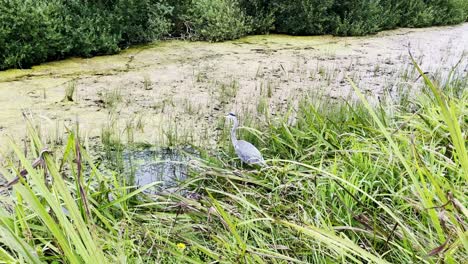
231,116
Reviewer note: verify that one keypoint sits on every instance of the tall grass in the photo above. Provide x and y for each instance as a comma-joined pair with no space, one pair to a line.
346,183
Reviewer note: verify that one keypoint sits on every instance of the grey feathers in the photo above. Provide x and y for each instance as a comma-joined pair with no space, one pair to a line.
247,152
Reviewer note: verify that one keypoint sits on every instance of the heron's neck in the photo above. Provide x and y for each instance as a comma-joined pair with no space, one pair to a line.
233,131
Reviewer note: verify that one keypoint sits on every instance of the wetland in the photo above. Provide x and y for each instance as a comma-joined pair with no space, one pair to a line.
180,89
127,158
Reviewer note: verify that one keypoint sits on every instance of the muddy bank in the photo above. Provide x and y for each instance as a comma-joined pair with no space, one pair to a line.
178,89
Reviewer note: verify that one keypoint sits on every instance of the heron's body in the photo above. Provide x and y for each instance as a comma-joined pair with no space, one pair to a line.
247,152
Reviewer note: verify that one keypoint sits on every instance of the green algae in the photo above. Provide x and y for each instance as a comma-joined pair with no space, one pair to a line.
292,65
166,50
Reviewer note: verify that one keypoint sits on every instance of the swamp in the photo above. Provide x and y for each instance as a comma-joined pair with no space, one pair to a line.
127,156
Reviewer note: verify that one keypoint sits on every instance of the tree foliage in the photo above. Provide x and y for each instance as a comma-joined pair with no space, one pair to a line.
34,31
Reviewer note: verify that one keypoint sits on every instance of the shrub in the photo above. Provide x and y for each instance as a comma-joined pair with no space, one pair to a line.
178,18
466,10
88,28
125,21
420,13
32,32
447,12
215,20
143,20
357,17
261,15
304,17
412,13
36,31
27,33
391,13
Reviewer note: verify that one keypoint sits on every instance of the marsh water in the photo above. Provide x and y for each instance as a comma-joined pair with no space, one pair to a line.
176,90
166,166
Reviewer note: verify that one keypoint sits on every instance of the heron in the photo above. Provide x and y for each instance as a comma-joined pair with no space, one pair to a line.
247,152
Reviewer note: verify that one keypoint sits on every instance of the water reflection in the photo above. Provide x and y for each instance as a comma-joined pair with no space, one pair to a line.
167,166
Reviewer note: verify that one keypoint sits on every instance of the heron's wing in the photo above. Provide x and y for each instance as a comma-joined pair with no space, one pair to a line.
248,153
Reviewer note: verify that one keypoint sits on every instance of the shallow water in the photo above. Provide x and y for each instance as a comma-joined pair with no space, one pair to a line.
183,89
167,166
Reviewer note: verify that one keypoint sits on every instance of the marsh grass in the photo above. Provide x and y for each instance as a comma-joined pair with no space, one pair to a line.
70,90
227,91
111,97
352,182
147,83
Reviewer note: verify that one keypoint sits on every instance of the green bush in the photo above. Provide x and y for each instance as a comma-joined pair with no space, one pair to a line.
178,18
466,10
394,11
216,20
447,12
143,20
421,13
304,17
120,22
357,17
34,31
411,13
261,15
27,33
87,29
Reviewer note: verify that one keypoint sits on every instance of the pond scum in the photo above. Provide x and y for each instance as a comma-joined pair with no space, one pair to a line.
346,183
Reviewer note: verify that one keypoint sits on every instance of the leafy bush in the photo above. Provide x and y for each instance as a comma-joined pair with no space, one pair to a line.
411,13
87,29
313,17
143,20
27,33
304,17
179,14
32,32
466,10
261,15
357,17
448,12
420,13
215,20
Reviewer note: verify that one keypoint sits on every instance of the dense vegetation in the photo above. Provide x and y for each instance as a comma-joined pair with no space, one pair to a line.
347,183
34,31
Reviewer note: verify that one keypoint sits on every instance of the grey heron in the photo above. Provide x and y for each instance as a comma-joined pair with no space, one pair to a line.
247,152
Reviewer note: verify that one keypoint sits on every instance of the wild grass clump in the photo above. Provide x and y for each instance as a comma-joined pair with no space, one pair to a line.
346,183
69,92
